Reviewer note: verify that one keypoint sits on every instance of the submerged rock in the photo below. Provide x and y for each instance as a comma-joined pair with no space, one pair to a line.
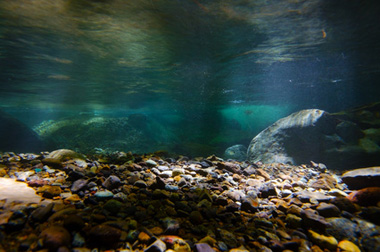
237,152
316,135
361,178
16,136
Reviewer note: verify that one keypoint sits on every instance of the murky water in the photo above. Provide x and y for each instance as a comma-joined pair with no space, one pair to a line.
203,74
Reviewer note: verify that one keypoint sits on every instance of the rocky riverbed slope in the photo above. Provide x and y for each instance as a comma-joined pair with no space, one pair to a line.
125,202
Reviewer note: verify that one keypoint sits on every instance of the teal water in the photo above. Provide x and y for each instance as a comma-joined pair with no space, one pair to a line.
204,75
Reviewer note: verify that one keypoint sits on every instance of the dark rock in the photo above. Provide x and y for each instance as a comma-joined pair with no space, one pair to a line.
17,221
54,237
229,166
344,204
361,178
267,189
104,236
312,220
343,229
113,206
366,197
42,213
78,185
328,210
371,213
73,222
237,152
112,182
16,136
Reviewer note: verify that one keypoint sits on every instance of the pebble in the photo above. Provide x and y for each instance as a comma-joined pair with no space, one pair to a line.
184,205
347,246
55,237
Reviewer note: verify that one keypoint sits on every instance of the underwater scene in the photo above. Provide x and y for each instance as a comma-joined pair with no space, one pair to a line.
189,125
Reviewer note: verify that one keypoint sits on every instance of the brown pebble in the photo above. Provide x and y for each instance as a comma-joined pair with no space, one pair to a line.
369,196
55,237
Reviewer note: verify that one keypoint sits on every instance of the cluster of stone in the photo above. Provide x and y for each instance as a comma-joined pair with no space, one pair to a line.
149,203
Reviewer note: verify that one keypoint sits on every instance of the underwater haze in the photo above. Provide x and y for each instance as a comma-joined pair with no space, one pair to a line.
190,77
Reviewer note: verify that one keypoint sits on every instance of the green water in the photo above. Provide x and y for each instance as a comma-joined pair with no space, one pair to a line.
204,75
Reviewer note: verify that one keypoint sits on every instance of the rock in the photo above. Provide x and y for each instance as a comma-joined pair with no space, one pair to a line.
371,214
328,210
175,243
104,236
306,196
103,194
203,247
157,246
229,166
237,152
361,178
78,185
196,217
16,136
57,157
112,182
228,237
298,139
49,191
73,222
113,206
294,139
312,220
267,189
347,246
366,197
328,242
42,213
55,237
342,229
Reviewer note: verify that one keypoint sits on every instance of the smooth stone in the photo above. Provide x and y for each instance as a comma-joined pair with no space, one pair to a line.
151,163
141,184
328,210
369,196
203,247
104,236
49,191
312,220
54,237
166,174
112,182
196,217
361,178
113,206
328,242
57,157
342,229
306,196
78,185
347,246
42,213
103,194
73,222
